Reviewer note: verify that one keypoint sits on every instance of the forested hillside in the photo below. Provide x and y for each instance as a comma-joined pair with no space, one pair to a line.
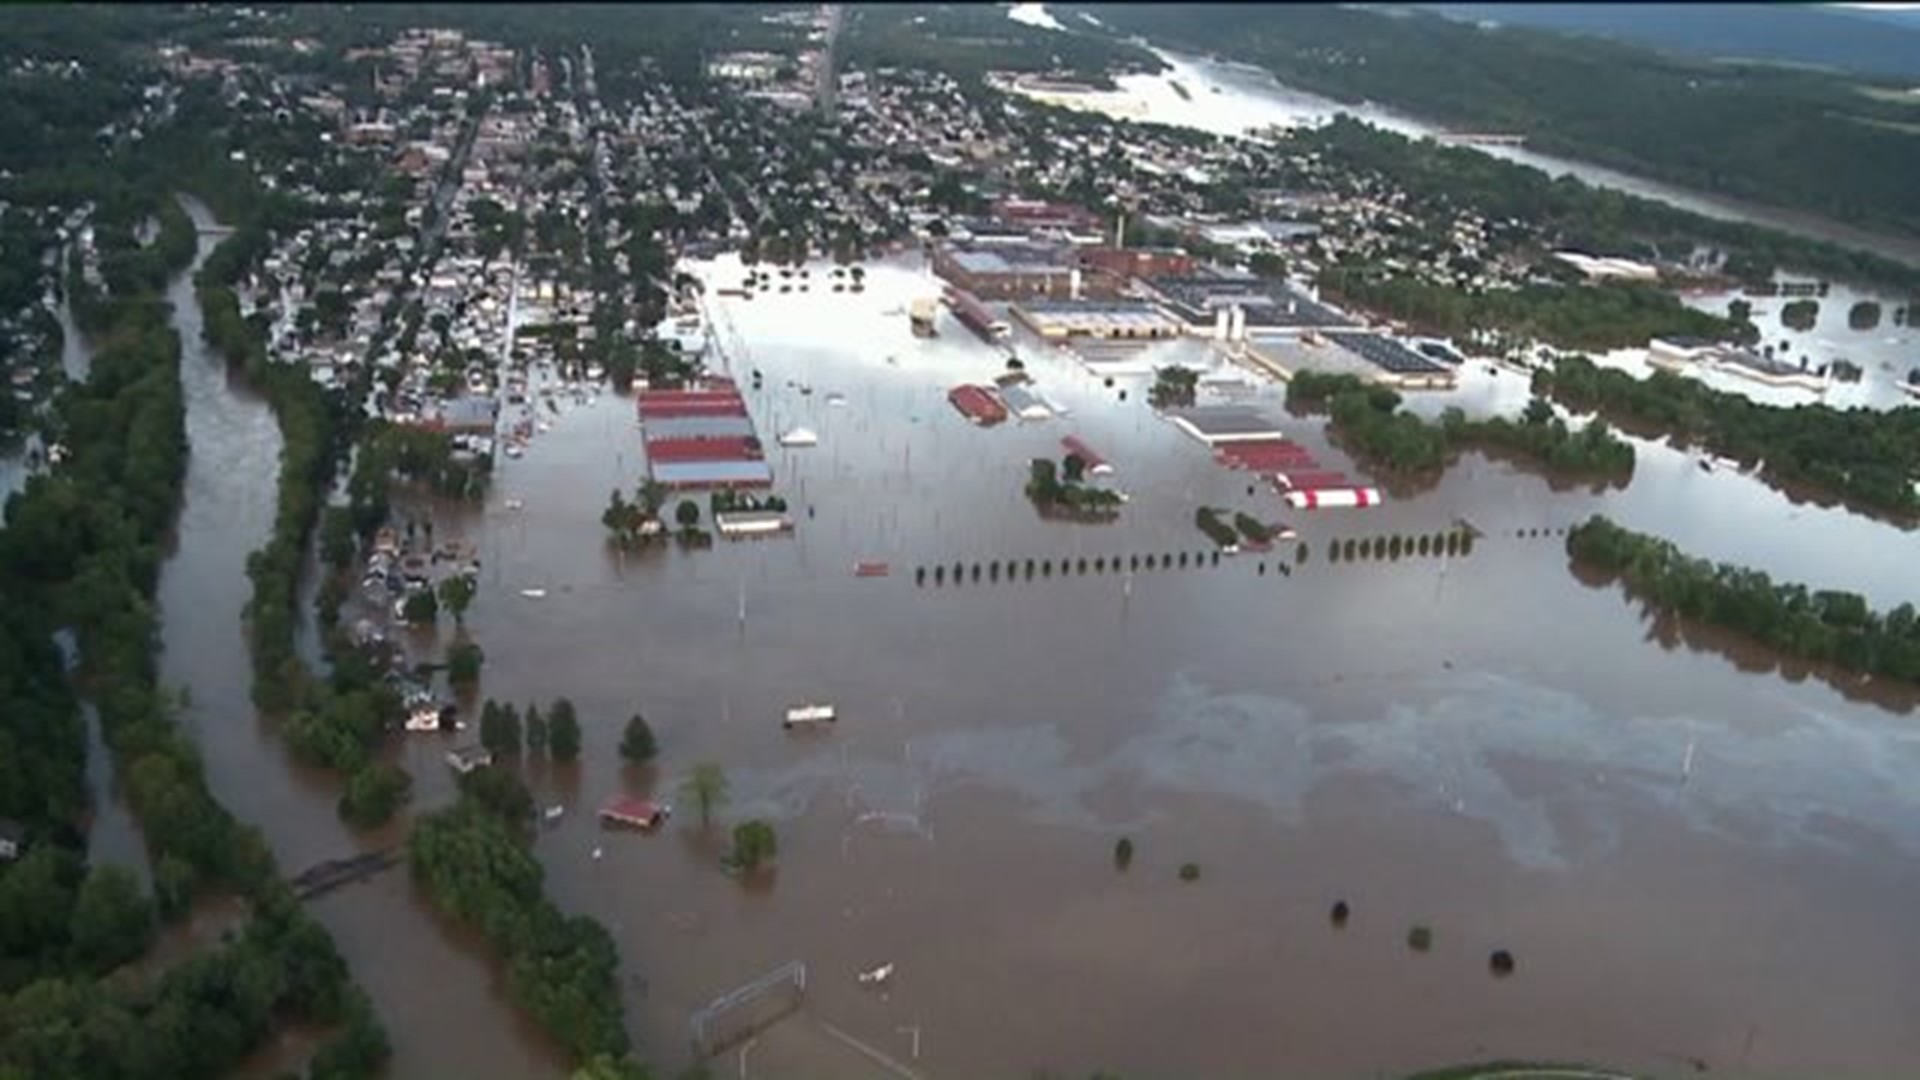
1805,140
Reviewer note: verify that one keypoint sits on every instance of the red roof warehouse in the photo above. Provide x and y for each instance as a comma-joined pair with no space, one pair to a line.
722,448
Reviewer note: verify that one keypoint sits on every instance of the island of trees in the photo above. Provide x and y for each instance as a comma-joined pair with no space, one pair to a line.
1825,626
1062,491
1368,419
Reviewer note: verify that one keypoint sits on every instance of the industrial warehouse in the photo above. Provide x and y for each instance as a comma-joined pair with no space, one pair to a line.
701,438
1107,302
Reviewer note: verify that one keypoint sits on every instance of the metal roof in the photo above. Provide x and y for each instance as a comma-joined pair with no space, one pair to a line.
697,427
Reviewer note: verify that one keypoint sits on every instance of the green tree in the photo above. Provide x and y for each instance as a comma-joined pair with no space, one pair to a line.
420,608
707,787
652,496
753,843
637,745
536,731
563,731
463,663
374,794
500,731
336,537
456,594
500,792
1073,468
36,895
687,513
112,922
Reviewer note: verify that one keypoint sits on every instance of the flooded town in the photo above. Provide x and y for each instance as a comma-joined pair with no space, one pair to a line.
924,542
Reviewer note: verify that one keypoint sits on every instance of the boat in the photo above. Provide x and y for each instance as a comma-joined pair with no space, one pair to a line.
877,976
809,714
534,594
871,569
800,436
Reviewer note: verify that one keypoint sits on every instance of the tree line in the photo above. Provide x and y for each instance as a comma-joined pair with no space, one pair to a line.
472,859
337,725
82,550
1866,457
1369,421
1599,317
1825,626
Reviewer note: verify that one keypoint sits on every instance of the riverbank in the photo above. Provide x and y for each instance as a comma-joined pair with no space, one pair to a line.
425,978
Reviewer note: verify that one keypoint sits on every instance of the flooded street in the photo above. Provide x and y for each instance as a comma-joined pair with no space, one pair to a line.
430,984
1690,856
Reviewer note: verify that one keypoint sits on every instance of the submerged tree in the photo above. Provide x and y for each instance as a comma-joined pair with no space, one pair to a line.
563,731
456,595
536,727
463,663
637,744
707,787
754,842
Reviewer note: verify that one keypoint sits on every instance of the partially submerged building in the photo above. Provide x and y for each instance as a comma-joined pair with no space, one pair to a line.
1006,271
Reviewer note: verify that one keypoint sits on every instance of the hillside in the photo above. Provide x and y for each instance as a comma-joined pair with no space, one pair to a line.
1837,147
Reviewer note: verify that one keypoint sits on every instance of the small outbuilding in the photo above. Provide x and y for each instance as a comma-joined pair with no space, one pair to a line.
635,812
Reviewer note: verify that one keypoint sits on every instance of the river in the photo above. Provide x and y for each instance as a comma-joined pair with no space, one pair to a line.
432,984
1235,99
1691,854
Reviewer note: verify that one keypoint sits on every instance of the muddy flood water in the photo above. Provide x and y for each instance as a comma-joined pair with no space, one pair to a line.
433,985
1692,857
1484,745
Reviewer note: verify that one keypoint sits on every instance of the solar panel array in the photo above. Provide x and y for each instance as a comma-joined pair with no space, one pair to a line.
1388,354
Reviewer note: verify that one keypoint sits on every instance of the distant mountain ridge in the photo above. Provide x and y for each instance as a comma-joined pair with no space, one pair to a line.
1883,42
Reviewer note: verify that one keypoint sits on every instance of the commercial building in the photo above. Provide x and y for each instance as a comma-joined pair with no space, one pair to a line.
1036,214
1061,320
1007,271
735,524
1115,268
1219,424
1267,308
701,438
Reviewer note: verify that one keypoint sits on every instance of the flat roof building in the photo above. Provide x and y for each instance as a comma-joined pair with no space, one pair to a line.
1005,271
712,474
1059,320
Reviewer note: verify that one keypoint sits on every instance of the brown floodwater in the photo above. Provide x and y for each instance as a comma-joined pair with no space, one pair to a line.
431,982
1690,861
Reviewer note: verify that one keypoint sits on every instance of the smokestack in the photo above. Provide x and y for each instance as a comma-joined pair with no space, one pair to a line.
1120,232
1220,321
1237,330
1073,283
